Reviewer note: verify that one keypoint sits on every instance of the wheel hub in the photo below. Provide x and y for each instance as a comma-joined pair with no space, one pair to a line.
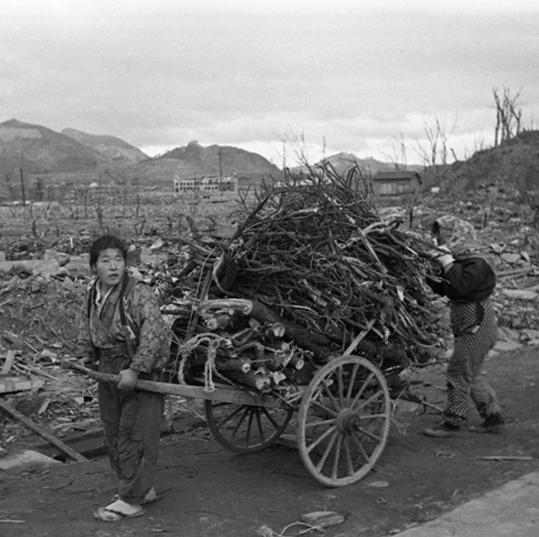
347,420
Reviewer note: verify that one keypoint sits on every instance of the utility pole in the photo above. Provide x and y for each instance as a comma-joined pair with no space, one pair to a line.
284,160
23,194
220,155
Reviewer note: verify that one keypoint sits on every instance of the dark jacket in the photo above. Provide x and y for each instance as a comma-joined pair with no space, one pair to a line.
469,279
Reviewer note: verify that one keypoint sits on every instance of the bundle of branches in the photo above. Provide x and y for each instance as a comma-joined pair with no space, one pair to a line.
314,259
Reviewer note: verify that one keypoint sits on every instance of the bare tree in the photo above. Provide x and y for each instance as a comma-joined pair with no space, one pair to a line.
508,115
434,153
398,156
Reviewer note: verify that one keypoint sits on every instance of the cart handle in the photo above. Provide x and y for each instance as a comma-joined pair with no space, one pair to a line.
225,395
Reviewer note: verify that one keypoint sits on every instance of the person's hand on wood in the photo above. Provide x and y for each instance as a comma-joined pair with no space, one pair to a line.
128,379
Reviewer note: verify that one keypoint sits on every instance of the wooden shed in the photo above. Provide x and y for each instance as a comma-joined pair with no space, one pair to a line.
395,183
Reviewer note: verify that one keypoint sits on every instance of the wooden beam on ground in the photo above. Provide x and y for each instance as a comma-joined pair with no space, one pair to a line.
19,384
41,432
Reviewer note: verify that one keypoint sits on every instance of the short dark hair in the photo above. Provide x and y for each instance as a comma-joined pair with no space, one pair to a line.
104,243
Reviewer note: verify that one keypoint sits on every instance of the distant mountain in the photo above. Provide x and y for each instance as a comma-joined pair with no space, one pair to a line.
195,160
342,162
115,149
213,159
38,149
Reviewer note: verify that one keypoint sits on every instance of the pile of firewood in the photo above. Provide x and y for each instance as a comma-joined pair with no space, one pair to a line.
309,272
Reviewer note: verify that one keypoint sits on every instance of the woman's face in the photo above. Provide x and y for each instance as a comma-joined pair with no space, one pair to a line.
110,267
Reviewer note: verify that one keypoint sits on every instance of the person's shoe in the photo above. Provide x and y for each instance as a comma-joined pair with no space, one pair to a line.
117,511
493,424
442,430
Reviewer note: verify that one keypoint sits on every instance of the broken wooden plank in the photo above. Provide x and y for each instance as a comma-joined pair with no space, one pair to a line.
42,432
520,294
19,384
10,359
90,443
514,272
323,519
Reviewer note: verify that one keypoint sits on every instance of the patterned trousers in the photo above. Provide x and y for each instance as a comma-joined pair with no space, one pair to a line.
475,329
132,425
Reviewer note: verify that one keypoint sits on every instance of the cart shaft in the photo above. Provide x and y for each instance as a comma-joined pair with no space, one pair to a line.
224,395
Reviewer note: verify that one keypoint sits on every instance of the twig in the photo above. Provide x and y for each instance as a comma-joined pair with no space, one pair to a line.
506,458
35,370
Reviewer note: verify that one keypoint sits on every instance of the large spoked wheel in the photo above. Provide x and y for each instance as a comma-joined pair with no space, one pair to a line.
246,428
344,420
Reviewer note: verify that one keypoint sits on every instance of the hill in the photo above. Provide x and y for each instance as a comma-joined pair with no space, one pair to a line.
115,149
513,164
38,149
215,159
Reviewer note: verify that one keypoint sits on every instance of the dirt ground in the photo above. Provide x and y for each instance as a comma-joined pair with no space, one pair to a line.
212,492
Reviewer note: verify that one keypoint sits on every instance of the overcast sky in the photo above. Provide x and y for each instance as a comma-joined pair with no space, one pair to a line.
357,76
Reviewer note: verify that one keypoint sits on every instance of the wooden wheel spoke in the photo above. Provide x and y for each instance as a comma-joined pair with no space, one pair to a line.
349,461
362,389
259,424
326,453
341,386
367,433
336,405
335,471
226,419
360,447
351,383
330,411
250,411
322,437
370,400
270,418
373,416
319,423
240,421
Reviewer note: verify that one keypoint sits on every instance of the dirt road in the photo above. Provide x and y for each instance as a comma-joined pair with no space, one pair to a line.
211,492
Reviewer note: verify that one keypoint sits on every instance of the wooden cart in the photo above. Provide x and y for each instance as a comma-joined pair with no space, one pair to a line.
342,417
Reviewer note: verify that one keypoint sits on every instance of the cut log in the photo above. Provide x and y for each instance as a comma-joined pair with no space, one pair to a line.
317,343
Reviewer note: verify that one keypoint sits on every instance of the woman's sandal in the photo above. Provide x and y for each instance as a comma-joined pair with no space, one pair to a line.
117,511
150,497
